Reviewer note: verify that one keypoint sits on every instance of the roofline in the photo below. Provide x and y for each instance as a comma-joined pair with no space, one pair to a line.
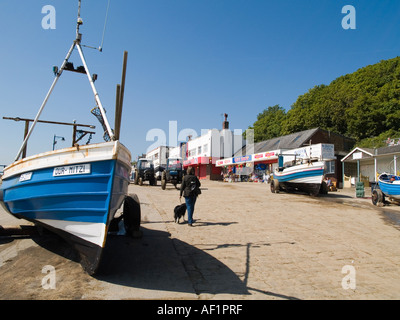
359,149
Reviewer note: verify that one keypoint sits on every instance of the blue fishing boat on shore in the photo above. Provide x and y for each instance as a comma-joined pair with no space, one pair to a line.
75,192
388,186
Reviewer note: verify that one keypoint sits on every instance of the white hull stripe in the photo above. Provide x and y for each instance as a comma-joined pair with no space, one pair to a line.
311,180
91,232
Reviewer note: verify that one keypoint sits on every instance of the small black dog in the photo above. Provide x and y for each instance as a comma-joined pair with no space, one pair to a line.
179,212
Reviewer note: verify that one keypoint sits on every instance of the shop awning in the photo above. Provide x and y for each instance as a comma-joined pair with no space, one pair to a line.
199,160
263,156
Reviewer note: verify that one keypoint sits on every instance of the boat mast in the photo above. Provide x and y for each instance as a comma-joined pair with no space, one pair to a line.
96,95
79,20
77,44
44,102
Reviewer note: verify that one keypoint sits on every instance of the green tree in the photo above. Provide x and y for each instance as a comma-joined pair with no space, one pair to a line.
362,105
269,123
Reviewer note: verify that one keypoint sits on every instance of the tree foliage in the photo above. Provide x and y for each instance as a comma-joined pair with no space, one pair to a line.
269,123
362,105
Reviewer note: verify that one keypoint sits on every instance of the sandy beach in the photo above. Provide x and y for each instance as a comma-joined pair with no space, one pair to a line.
246,244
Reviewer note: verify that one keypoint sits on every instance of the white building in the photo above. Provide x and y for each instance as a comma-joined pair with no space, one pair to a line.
366,164
175,152
159,156
203,152
215,144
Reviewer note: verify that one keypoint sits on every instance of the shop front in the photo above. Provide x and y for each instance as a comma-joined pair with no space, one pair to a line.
255,167
204,167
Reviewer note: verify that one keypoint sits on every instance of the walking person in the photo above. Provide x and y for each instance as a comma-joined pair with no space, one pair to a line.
190,188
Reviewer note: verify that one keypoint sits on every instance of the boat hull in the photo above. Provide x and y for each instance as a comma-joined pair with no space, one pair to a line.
73,192
304,177
390,185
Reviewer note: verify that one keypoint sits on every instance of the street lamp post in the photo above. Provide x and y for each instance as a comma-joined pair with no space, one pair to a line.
55,141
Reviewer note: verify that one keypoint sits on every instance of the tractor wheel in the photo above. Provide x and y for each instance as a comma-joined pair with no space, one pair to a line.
140,181
163,184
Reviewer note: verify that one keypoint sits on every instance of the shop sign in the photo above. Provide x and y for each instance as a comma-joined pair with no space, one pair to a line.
224,162
328,151
357,155
190,162
198,160
264,155
242,159
203,160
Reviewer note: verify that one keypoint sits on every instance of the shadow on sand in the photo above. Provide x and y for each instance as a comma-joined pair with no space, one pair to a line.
157,262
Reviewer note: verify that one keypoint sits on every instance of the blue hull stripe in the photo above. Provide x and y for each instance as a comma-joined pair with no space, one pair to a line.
299,175
82,198
390,189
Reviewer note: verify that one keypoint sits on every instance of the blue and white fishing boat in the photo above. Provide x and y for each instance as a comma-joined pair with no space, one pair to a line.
302,175
74,192
388,186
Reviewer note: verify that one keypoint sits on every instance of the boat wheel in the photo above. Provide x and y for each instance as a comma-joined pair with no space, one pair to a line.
377,197
275,186
132,216
314,193
324,188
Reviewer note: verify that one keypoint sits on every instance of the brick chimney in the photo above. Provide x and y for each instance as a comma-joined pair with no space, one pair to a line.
225,124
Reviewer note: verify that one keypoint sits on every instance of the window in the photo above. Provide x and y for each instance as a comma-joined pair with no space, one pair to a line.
205,148
277,142
297,138
199,150
330,167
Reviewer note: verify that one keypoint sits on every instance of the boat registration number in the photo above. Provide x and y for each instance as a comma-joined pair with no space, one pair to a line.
72,170
25,176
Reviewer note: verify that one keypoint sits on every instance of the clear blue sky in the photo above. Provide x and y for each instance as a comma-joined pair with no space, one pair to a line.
189,61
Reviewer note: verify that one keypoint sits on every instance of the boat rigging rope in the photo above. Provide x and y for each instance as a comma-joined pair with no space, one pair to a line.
105,24
100,48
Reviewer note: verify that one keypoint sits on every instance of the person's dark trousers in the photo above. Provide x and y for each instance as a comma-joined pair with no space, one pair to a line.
190,201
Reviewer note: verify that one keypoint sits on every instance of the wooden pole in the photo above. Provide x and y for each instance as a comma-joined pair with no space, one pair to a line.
51,122
117,126
73,135
120,98
25,134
